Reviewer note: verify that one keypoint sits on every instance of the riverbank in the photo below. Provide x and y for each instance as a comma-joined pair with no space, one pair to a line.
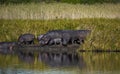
105,32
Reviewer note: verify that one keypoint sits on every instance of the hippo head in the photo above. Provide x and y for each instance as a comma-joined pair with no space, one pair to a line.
20,41
44,39
40,36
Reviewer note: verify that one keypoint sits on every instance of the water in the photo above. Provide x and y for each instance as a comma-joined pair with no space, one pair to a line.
59,63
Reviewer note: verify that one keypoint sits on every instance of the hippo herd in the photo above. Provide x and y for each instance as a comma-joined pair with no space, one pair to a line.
56,37
63,37
53,37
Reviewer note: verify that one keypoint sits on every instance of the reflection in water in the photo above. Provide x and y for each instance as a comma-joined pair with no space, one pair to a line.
6,51
54,59
26,57
62,59
30,62
50,59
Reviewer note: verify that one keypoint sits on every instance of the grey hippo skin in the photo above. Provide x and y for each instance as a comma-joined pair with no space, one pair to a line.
66,36
51,37
55,41
79,36
52,41
26,39
39,38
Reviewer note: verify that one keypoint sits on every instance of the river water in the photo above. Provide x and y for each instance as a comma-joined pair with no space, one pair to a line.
60,63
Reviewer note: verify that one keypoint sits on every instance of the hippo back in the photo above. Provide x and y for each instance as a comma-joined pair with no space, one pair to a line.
26,37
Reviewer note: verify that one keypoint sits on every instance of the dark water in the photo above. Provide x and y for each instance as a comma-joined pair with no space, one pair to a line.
59,63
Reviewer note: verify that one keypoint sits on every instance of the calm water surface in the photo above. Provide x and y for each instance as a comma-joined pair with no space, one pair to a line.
59,63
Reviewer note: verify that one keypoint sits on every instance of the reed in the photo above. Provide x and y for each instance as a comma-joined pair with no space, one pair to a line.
59,11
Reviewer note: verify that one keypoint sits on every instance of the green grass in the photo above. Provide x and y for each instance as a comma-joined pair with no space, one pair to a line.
38,18
105,32
59,11
102,19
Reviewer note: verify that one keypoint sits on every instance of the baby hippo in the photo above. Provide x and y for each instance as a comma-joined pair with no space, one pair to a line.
26,39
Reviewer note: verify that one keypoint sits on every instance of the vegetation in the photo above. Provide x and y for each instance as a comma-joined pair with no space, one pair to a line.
102,17
63,1
59,11
105,32
38,18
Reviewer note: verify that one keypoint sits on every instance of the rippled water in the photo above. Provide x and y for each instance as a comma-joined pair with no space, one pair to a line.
60,63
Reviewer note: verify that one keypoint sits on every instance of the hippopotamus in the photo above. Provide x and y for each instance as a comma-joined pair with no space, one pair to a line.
50,41
65,36
79,36
26,39
51,37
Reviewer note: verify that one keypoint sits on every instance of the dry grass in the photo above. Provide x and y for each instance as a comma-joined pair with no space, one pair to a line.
59,11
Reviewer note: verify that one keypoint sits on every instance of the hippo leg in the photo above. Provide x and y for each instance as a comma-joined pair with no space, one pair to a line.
65,41
72,41
80,41
42,43
57,41
31,42
51,42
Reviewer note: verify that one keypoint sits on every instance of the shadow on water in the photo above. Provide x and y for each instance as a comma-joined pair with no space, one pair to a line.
37,61
26,57
53,56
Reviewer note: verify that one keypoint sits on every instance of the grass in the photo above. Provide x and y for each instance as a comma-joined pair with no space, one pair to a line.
38,18
105,32
62,1
102,19
59,11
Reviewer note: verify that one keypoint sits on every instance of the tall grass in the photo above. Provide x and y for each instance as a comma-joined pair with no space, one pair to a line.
59,11
64,1
105,32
